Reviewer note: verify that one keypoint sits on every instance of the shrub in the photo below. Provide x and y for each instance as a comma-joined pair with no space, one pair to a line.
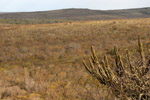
130,80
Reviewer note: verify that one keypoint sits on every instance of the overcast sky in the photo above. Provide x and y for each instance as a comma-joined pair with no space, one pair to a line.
41,5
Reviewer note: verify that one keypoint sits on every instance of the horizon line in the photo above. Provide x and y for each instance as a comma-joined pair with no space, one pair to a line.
74,8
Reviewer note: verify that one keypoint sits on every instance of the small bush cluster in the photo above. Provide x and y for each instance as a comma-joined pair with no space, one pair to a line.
129,81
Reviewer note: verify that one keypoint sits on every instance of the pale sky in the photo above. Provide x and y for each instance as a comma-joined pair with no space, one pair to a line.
42,5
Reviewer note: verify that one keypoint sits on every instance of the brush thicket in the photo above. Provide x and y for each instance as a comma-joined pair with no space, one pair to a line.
130,80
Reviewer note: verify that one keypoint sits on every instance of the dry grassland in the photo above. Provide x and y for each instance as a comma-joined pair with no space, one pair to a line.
44,61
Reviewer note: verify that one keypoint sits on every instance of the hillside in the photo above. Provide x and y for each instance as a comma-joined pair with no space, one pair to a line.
73,14
44,61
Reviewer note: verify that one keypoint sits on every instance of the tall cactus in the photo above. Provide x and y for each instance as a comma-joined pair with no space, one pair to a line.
125,80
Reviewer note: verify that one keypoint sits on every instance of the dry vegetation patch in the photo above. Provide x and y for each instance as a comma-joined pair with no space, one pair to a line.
44,61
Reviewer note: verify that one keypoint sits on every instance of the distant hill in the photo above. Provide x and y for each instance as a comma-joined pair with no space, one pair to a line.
78,14
1,13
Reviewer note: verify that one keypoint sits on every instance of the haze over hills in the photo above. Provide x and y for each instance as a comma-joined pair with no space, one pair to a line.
78,14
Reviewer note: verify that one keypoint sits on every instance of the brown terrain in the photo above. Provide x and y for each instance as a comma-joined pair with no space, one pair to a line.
44,61
69,15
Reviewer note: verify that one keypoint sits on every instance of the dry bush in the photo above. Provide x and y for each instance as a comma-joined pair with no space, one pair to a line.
127,81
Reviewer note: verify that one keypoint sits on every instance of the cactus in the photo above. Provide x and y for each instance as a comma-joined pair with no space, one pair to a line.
127,81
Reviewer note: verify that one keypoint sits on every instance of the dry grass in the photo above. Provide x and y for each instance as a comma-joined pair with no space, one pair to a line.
44,61
129,80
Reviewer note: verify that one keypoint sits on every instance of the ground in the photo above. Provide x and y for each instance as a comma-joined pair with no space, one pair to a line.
44,61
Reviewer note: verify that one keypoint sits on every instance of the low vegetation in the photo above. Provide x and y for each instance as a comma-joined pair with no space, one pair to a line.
129,82
44,61
69,15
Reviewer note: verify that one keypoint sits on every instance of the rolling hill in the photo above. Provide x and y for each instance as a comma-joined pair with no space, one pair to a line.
77,14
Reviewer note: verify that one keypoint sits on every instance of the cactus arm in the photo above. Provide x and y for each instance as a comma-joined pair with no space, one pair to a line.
87,67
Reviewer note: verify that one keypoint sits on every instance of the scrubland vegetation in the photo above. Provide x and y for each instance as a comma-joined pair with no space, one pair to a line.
73,14
127,81
44,61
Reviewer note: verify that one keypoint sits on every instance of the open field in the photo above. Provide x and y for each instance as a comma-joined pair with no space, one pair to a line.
44,61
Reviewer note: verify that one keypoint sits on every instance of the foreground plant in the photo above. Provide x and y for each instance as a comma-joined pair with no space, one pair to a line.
130,80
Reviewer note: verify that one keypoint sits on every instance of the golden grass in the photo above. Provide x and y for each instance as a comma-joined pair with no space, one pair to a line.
44,60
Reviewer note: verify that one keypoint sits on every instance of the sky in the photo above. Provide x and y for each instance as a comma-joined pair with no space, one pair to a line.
44,5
